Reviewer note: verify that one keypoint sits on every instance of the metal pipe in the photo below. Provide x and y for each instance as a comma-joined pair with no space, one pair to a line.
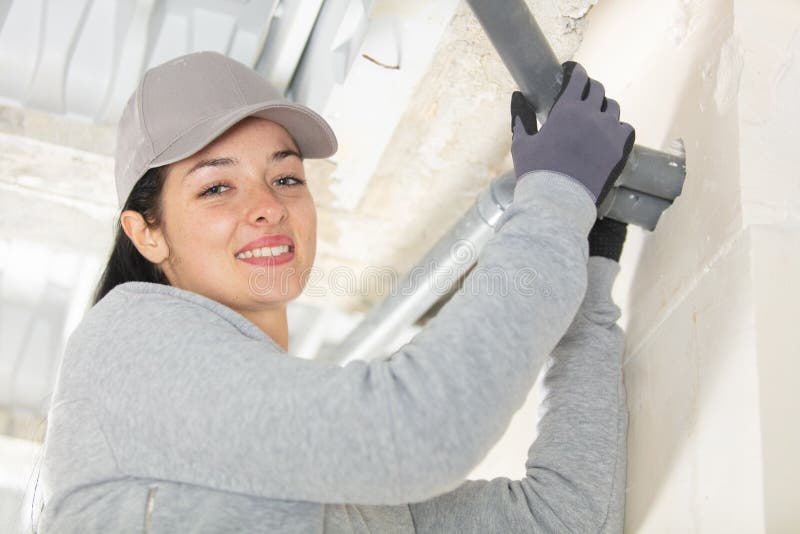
524,49
656,173
452,256
633,207
532,63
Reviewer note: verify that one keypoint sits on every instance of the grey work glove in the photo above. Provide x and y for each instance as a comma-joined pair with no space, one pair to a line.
582,138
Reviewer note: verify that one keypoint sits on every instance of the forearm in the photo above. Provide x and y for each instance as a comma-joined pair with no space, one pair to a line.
576,467
459,382
576,463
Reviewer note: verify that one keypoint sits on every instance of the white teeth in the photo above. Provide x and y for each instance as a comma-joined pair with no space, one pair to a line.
264,251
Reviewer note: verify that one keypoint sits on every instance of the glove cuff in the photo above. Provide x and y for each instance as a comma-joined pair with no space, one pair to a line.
606,238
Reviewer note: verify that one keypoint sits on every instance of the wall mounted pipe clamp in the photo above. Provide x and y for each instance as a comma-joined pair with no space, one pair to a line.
650,180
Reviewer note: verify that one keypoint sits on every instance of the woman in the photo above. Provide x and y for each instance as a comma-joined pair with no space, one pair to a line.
177,408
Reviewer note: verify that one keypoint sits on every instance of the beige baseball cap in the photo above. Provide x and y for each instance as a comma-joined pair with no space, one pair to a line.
182,105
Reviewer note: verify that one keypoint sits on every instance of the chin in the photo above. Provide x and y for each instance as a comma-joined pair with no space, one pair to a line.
274,293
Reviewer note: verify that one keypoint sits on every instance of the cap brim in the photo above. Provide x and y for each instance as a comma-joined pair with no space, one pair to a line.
313,135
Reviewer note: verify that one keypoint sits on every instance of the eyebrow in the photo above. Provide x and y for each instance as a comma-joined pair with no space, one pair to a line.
229,162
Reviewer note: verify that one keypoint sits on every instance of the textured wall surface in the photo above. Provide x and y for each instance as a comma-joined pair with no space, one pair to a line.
709,348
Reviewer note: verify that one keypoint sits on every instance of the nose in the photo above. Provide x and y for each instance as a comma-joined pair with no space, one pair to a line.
266,206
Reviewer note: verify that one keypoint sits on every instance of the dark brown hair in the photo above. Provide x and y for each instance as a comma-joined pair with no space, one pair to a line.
126,264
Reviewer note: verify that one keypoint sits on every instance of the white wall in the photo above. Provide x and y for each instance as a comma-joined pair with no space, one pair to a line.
709,297
711,355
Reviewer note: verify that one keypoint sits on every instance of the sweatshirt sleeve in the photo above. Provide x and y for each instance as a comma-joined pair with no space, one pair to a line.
576,469
181,395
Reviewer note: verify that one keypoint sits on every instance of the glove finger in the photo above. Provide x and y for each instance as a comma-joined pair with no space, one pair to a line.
612,108
574,83
518,130
629,138
522,111
596,94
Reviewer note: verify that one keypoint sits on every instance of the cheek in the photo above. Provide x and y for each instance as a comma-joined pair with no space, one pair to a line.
309,224
209,231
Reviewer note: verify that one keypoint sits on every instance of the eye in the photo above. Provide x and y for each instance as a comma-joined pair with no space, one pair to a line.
297,181
213,190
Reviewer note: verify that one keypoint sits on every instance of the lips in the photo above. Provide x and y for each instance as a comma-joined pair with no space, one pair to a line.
269,261
263,260
268,241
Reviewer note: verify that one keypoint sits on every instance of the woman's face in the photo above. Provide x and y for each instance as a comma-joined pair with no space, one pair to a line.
248,184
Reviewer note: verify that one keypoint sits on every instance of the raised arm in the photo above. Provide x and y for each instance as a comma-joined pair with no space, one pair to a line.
575,477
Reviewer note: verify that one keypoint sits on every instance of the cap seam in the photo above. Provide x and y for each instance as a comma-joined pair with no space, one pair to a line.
145,127
186,130
149,138
236,84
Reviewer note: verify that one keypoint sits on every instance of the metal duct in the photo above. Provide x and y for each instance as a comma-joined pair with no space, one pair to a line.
452,256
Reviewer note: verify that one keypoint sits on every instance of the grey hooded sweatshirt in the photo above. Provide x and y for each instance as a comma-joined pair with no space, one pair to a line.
174,413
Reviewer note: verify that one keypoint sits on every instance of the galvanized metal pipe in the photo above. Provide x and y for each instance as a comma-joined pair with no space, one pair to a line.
524,49
452,256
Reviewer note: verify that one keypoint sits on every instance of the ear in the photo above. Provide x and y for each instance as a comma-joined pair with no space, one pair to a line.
148,241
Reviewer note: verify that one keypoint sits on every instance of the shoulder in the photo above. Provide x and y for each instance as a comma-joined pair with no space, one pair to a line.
146,330
146,309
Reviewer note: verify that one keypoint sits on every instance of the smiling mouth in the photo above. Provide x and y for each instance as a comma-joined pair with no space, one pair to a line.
266,252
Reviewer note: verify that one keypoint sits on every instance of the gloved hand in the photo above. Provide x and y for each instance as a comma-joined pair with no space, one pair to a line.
582,138
607,237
